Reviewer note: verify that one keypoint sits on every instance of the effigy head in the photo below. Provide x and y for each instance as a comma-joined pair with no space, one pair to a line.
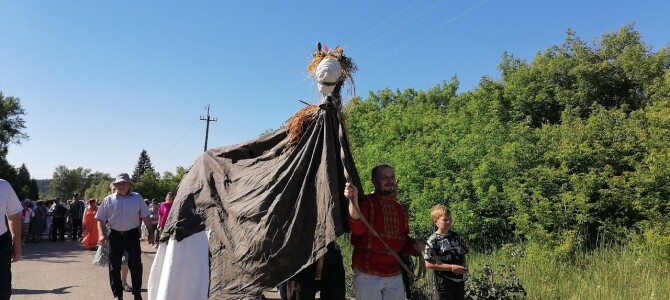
331,69
327,75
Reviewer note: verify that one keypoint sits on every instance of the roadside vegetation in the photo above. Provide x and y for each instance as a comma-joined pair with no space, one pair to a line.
557,172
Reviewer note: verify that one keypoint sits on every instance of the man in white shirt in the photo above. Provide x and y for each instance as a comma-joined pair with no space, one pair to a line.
10,238
122,212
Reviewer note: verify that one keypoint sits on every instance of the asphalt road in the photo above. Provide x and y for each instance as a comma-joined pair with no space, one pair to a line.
64,270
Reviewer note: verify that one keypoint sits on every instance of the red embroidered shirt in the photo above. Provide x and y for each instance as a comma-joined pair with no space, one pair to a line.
387,216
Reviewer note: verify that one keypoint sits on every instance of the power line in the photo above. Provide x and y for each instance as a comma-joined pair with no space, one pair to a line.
427,32
382,23
403,24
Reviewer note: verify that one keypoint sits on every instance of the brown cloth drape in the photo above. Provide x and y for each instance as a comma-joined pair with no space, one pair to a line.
271,208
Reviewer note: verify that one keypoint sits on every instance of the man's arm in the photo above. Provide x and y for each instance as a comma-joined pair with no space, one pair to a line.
356,224
446,267
14,222
432,261
351,192
102,238
414,247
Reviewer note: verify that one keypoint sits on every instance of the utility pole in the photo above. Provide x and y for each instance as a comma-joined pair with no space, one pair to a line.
207,119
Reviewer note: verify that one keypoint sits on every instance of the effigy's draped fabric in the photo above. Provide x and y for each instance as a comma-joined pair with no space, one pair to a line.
270,208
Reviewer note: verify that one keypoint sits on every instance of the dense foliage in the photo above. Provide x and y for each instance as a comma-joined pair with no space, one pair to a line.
67,182
96,185
12,130
156,187
12,125
150,184
570,150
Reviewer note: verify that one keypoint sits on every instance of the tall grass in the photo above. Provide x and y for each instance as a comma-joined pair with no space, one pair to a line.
615,272
347,249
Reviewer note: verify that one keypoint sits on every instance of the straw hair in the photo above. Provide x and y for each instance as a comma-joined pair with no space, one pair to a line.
295,125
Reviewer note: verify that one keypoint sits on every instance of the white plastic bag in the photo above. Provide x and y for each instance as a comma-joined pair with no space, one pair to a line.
101,256
144,233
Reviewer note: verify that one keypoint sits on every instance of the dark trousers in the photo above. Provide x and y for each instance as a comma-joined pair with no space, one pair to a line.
303,286
446,289
119,242
57,229
5,265
153,230
76,229
281,288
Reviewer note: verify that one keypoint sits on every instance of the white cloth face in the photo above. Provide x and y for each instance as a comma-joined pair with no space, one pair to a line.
327,73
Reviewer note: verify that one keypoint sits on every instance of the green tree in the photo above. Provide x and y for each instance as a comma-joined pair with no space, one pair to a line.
143,167
569,149
651,177
171,180
99,189
149,187
7,171
25,187
588,105
12,130
67,182
12,125
152,187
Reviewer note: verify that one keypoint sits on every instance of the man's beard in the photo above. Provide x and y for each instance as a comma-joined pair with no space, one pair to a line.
387,192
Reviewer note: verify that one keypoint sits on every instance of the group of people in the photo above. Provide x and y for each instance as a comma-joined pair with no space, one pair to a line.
53,218
377,271
114,223
157,216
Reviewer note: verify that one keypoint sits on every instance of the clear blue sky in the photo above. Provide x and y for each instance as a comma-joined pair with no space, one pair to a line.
102,80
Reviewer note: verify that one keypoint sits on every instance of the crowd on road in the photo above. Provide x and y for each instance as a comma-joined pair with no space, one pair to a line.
56,220
31,221
53,219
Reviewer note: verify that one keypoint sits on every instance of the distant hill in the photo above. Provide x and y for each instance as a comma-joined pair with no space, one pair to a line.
43,186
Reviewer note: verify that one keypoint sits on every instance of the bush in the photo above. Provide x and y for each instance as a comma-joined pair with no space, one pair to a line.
656,240
494,285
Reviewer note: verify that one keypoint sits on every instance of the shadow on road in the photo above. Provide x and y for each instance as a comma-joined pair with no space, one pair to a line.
65,270
46,250
58,291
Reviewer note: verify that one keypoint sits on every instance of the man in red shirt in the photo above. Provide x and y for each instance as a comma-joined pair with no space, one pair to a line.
377,273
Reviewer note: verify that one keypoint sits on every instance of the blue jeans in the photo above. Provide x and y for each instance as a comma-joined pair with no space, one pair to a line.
371,287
